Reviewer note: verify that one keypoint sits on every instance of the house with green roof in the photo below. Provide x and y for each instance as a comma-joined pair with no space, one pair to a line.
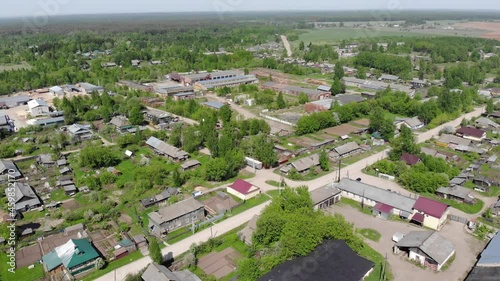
74,257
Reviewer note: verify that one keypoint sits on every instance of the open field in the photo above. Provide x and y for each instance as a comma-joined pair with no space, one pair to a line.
336,34
491,29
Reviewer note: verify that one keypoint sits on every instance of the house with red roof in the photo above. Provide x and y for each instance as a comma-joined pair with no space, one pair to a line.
430,213
471,133
409,159
243,189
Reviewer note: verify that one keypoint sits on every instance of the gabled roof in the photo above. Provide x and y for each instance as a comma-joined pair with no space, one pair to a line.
241,186
451,139
469,131
457,191
377,194
325,192
36,103
77,128
430,207
119,121
6,165
483,121
166,148
409,159
491,254
306,162
338,262
176,210
190,163
346,148
156,272
413,122
429,242
71,254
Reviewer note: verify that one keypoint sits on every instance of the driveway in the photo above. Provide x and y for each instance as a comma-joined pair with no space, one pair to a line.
467,247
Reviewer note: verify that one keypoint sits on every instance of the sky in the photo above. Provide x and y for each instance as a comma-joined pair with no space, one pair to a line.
36,8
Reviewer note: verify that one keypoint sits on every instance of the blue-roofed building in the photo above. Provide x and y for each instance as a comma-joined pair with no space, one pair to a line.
47,122
225,82
488,265
213,104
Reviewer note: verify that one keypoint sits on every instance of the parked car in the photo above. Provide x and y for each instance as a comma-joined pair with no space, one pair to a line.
197,194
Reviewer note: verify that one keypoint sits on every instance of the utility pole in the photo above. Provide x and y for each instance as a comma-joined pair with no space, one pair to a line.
382,274
340,168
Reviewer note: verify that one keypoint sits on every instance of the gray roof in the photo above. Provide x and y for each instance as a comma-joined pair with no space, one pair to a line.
428,151
166,148
486,122
186,275
45,159
69,188
3,120
90,87
49,121
457,191
6,165
78,129
119,121
377,194
11,101
491,254
190,163
176,210
326,103
213,104
413,122
306,162
37,103
344,99
429,242
457,181
325,88
447,138
346,148
321,194
389,77
156,272
25,196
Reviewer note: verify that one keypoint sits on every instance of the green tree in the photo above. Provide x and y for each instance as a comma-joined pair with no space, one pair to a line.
324,161
135,116
177,178
280,101
338,71
337,87
216,169
489,106
404,143
155,251
99,263
303,98
97,157
225,113
301,46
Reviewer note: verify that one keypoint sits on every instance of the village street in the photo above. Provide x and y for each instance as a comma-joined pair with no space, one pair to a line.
353,171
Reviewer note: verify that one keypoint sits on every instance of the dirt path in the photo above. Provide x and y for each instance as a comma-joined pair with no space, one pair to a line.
287,45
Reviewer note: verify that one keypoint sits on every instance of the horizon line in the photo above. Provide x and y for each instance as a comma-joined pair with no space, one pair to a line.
257,11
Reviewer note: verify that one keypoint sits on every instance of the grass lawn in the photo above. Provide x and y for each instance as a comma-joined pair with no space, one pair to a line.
21,274
58,195
380,263
113,265
259,199
355,204
466,208
14,66
369,233
273,193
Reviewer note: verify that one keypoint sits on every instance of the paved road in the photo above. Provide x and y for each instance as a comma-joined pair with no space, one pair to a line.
183,246
353,171
287,45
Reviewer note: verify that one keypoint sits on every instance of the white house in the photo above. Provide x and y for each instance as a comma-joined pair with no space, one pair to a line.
56,91
38,107
427,248
243,189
